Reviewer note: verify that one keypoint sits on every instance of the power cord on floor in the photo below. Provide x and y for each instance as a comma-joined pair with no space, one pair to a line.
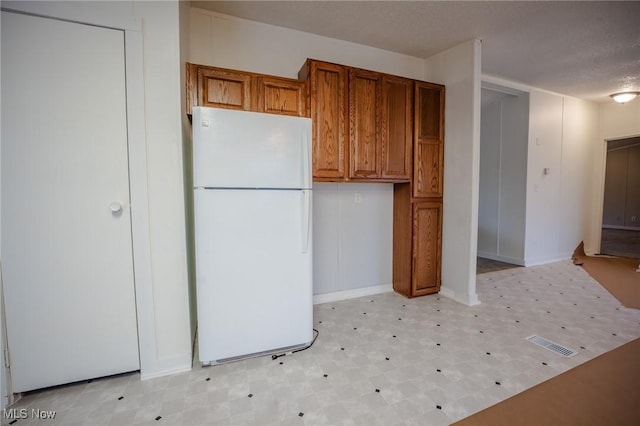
317,333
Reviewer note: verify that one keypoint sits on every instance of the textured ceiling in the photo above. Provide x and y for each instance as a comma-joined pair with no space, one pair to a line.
584,49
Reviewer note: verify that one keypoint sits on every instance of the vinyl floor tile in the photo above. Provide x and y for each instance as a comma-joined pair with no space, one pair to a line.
380,359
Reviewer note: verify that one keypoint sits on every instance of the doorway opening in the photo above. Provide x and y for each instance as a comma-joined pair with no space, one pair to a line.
503,177
621,206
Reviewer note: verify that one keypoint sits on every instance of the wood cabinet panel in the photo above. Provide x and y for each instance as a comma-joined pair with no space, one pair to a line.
428,140
427,180
397,127
328,105
427,243
430,123
280,96
364,124
224,89
402,239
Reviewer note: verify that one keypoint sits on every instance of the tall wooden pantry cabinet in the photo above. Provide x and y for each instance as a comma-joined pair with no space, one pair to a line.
417,206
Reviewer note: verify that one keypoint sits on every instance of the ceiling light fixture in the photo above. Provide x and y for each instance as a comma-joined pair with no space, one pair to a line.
623,97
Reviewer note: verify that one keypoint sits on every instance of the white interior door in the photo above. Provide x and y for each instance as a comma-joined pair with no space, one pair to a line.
66,226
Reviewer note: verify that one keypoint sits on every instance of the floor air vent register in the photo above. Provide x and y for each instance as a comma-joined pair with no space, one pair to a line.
552,346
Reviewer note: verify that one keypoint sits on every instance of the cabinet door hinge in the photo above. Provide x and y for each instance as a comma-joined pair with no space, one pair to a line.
7,363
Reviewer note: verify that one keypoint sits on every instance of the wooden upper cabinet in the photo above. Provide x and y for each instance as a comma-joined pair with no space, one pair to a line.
365,141
381,126
219,87
397,127
225,88
362,123
429,140
282,96
328,105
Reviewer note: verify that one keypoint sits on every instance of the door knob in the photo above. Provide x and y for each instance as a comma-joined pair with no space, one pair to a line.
115,207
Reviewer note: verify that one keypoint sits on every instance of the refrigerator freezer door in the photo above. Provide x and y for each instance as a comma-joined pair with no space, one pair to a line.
254,276
241,149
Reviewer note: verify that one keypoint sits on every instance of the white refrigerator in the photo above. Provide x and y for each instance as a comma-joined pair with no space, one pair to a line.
252,217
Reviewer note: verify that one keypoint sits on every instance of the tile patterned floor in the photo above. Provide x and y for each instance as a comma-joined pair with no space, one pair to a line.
381,359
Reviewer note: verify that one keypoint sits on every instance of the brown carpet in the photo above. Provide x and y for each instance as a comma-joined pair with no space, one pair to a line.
603,391
617,274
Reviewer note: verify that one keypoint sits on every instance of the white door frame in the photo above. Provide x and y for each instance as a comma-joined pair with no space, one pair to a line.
137,150
597,231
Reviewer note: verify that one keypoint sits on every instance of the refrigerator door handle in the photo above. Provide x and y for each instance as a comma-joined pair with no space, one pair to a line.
305,220
306,159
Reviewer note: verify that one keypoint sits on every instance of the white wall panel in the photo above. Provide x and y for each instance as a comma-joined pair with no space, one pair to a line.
489,187
230,42
543,190
325,238
513,178
163,114
619,120
579,139
458,69
365,233
353,229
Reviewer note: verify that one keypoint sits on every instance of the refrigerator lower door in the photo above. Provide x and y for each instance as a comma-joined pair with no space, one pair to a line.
253,271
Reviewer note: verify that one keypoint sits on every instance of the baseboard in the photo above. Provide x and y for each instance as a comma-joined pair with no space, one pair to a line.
351,294
544,261
505,259
174,370
472,300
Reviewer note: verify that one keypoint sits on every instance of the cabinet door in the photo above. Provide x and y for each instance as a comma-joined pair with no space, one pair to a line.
429,138
365,92
328,112
282,96
224,88
427,243
397,127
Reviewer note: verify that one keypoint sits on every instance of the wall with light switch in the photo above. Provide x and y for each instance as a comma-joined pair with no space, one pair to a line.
543,190
352,237
562,134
